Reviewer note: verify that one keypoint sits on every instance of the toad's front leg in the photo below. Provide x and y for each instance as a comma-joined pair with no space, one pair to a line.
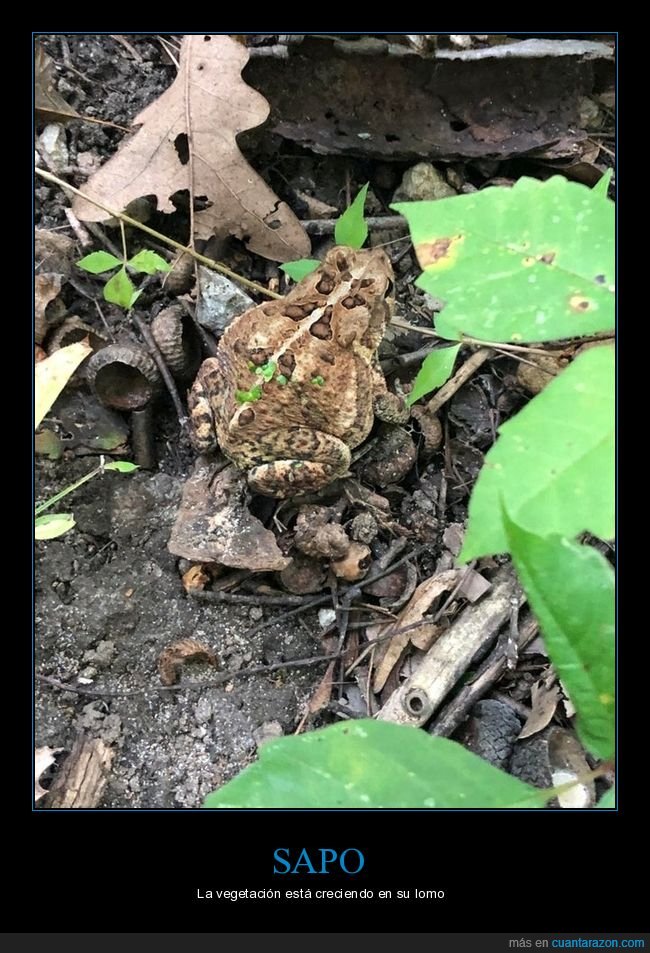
391,408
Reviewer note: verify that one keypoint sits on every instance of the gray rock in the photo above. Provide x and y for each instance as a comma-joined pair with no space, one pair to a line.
422,182
220,301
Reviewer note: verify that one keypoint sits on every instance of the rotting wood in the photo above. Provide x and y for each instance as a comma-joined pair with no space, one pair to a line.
419,697
81,779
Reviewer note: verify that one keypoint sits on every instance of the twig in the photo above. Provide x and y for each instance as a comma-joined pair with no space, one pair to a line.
326,226
258,599
215,265
189,686
462,375
162,366
80,231
488,674
144,452
466,339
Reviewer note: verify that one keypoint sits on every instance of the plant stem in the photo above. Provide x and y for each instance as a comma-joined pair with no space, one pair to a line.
73,486
215,265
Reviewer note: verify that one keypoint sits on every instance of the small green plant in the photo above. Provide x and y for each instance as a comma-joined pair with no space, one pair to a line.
120,289
51,376
56,524
351,229
534,263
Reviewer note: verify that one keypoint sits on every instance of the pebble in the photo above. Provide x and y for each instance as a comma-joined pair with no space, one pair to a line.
422,182
220,301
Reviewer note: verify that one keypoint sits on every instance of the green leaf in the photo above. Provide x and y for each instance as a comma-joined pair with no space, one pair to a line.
553,464
120,289
608,799
266,371
48,527
48,444
351,228
436,369
301,268
248,396
98,262
122,466
602,185
148,262
530,263
366,763
571,591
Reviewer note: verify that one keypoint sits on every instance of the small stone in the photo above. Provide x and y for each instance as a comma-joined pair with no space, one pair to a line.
256,613
53,143
326,617
220,301
422,182
364,527
203,710
267,732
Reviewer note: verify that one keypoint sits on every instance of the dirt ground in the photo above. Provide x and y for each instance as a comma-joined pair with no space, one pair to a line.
109,595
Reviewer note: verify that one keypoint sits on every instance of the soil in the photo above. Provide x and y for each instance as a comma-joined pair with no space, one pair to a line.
109,595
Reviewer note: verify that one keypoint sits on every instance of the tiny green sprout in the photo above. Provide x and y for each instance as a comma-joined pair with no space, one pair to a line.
281,380
119,289
266,371
248,396
318,381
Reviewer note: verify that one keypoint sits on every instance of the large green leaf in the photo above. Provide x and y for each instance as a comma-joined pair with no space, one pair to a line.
530,263
351,228
436,369
553,464
571,591
365,763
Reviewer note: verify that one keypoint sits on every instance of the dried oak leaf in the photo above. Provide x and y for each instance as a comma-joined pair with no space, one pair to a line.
185,650
187,141
49,104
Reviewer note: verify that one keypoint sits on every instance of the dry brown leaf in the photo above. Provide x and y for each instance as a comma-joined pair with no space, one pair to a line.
48,102
187,141
418,605
544,697
185,650
46,289
43,758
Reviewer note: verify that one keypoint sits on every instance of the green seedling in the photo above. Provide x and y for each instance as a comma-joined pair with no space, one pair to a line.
119,289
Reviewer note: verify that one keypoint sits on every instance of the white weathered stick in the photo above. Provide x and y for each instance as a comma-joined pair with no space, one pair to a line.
450,656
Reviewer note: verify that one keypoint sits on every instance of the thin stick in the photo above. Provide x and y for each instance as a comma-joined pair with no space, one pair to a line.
377,223
215,265
462,375
466,339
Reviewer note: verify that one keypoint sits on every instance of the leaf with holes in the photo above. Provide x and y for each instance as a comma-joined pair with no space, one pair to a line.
366,764
570,588
187,143
553,464
534,262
